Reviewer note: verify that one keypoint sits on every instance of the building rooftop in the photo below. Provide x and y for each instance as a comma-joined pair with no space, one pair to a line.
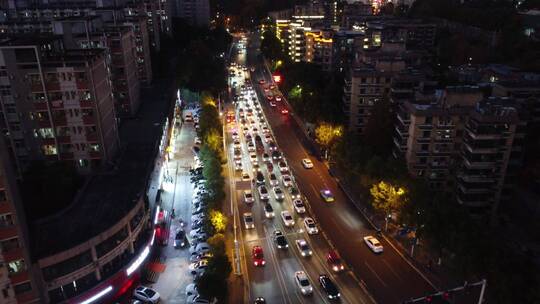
107,196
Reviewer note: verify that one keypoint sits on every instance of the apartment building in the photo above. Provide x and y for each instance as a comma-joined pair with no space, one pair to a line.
319,48
415,34
142,48
354,14
344,47
490,154
195,12
18,283
429,129
56,104
525,92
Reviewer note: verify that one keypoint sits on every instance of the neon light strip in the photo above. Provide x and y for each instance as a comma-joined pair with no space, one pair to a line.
156,216
140,259
98,295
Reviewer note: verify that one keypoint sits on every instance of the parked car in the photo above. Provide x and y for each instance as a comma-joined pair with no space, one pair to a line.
146,294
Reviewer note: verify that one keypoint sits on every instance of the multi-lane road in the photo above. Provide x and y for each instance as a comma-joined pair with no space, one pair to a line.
368,277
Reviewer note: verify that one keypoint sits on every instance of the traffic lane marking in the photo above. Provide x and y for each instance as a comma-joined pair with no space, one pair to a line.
375,273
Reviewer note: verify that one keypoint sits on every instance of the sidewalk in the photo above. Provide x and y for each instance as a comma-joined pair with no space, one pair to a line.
177,194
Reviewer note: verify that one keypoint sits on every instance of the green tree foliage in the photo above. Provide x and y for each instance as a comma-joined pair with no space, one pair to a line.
271,47
387,197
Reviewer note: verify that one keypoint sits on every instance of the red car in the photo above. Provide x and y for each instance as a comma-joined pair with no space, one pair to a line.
278,98
270,97
261,81
284,111
334,261
258,256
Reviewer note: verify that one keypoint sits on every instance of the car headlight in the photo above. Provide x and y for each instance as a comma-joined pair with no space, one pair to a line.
335,268
303,253
263,262
342,267
310,252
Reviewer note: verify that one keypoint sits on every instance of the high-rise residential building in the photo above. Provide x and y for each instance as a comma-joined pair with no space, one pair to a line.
525,92
56,104
345,44
18,282
490,154
319,48
354,14
429,129
195,12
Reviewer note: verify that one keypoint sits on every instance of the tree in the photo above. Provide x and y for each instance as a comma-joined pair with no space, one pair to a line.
387,197
271,46
218,220
217,242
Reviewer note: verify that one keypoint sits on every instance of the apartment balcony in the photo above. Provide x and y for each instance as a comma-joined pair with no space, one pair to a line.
425,126
89,119
44,123
19,277
82,85
401,131
63,139
404,121
422,153
7,232
472,190
36,87
95,154
485,164
423,140
52,86
438,165
444,126
400,144
66,156
480,150
12,254
474,203
48,141
92,137
479,178
442,139
60,121
484,136
86,103
40,106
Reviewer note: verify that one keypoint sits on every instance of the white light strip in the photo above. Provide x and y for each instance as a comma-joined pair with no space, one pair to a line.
98,295
140,259
153,237
157,214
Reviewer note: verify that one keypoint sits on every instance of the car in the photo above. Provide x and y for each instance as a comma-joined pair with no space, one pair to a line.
196,150
258,256
146,294
237,154
191,289
280,240
273,179
270,97
303,247
198,268
306,162
180,239
246,177
310,225
263,193
248,220
284,111
200,248
237,165
251,146
266,157
294,193
373,244
266,90
197,140
299,206
270,167
261,81
272,87
276,155
256,167
283,166
329,287
272,146
278,193
253,158
303,283
334,261
272,104
265,130
259,178
237,143
267,138
197,299
235,135
278,98
287,180
268,211
248,197
327,195
287,218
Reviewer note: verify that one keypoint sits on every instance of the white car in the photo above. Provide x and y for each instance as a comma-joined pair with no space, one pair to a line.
235,135
253,158
191,289
200,248
283,167
245,177
265,130
273,180
268,211
306,162
197,268
310,225
299,206
278,193
267,138
263,193
303,247
251,146
287,180
248,220
287,218
303,283
373,244
248,197
238,165
146,294
198,140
